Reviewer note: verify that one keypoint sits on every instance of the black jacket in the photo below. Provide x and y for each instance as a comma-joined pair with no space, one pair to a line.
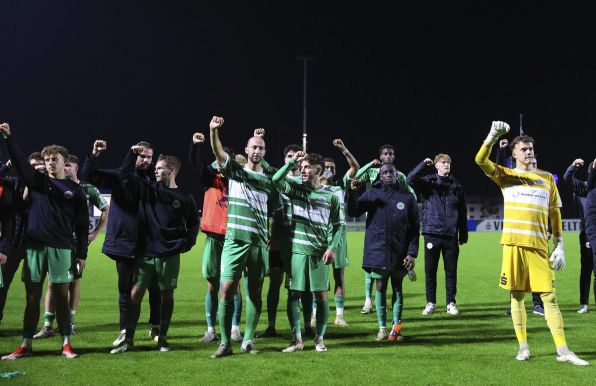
392,225
126,228
580,191
590,208
444,211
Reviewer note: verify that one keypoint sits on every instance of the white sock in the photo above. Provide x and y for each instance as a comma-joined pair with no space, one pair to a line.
298,338
339,311
235,328
211,330
524,345
66,340
562,350
368,301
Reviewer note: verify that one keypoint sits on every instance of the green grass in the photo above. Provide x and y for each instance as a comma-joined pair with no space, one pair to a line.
477,347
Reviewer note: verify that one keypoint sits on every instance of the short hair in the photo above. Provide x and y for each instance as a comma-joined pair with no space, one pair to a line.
291,147
386,146
170,161
387,164
442,157
36,156
315,159
145,144
73,159
328,159
55,149
521,138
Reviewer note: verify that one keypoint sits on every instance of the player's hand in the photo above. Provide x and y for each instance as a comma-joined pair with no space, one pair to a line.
328,256
137,149
198,138
338,143
3,258
8,163
578,163
260,132
355,184
497,129
299,156
216,123
428,162
376,163
99,146
409,262
557,258
5,129
82,263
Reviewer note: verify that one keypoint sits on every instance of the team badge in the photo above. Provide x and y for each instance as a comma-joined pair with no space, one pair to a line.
429,245
68,194
400,206
176,204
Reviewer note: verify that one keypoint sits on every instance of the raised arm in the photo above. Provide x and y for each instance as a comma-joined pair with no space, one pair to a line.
357,202
501,158
220,155
279,178
32,178
362,174
591,176
354,166
577,186
497,129
414,174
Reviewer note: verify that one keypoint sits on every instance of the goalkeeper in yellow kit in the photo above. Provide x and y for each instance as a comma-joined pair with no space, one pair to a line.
530,199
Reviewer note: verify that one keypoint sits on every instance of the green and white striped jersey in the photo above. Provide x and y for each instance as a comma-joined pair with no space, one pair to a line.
367,174
315,215
248,195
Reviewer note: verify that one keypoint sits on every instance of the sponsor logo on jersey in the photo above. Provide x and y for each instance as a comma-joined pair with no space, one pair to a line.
68,194
400,205
176,204
539,181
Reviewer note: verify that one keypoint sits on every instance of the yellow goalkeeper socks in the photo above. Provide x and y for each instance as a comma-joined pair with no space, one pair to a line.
519,317
554,319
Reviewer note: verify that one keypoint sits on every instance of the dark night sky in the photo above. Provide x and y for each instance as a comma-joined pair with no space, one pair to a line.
425,78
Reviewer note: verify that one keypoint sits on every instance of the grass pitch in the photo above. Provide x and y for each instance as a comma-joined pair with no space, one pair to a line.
476,347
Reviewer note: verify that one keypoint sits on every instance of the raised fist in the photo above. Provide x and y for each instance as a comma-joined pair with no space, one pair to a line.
99,147
355,184
428,161
198,138
578,163
5,128
503,143
216,123
376,163
137,149
260,132
498,129
338,143
299,156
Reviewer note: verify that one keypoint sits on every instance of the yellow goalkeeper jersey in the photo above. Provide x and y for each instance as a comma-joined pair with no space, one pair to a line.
528,197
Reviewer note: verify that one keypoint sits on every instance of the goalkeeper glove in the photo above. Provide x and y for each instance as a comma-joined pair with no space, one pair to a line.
497,130
557,258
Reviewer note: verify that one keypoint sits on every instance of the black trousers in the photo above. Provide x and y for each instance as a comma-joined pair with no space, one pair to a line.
8,271
434,246
126,277
586,268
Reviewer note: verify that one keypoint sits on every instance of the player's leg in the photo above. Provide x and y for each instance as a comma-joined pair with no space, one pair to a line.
166,275
233,262
258,268
432,254
296,287
397,300
450,249
8,271
368,287
154,311
519,318
125,269
275,281
211,268
318,273
381,306
339,296
236,335
585,275
48,316
73,300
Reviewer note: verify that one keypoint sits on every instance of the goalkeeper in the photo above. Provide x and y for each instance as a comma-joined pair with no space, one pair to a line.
530,199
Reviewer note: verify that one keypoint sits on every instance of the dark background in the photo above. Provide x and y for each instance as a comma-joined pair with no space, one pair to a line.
426,78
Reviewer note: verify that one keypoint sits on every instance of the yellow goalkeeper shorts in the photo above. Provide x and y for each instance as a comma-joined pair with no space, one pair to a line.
526,269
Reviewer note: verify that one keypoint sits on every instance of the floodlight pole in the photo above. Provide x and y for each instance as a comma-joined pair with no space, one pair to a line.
305,60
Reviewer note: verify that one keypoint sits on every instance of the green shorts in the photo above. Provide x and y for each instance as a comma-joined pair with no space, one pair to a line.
56,262
341,255
212,257
384,274
311,268
238,256
162,271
